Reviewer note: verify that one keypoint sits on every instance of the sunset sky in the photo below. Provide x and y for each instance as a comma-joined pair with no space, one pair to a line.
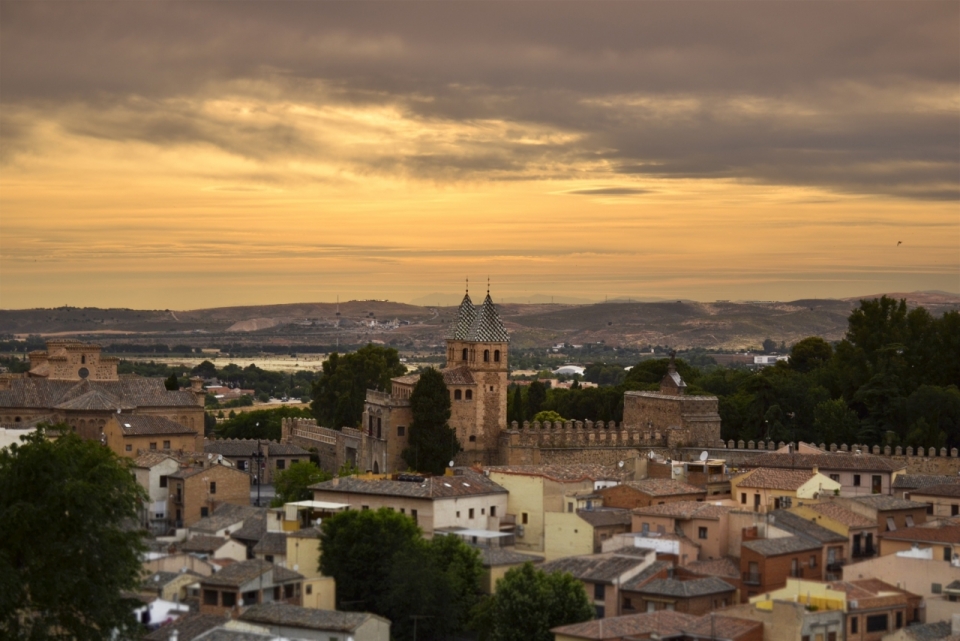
198,154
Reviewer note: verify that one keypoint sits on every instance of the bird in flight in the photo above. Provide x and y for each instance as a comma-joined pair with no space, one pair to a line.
899,242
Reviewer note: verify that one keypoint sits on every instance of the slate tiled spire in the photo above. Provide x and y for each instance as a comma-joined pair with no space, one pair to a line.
487,326
465,317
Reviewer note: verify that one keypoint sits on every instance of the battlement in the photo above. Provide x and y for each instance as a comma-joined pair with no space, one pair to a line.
586,434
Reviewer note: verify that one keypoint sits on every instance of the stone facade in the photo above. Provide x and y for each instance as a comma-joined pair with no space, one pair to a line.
697,417
367,452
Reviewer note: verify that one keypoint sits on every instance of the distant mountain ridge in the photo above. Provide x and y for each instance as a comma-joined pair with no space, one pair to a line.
678,323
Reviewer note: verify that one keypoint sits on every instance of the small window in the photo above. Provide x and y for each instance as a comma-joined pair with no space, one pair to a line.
929,508
204,512
493,510
909,520
153,446
954,509
599,591
213,487
569,507
743,498
469,394
401,430
813,561
854,625
403,510
163,481
936,588
166,445
209,597
294,461
523,518
483,511
464,354
891,524
702,533
458,514
947,553
496,356
473,439
128,448
899,620
413,514
281,464
229,599
835,477
268,558
471,513
364,507
856,480
877,623
309,588
457,395
486,356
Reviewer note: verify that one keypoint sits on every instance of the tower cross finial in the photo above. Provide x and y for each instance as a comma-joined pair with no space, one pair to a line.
488,285
468,284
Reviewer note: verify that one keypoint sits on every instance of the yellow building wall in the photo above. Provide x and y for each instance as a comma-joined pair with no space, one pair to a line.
806,592
526,496
821,520
303,556
566,534
322,593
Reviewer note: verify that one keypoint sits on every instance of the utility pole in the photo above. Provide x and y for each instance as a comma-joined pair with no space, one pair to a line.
257,459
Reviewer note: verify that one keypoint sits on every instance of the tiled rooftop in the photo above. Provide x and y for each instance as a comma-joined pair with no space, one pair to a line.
603,517
562,473
294,616
782,545
803,527
458,376
871,593
717,626
664,487
842,515
203,544
273,543
143,425
236,574
130,392
776,478
921,534
469,483
663,623
929,631
149,459
647,575
188,628
684,510
725,567
686,589
240,447
915,481
825,461
601,568
225,515
492,557
885,502
951,490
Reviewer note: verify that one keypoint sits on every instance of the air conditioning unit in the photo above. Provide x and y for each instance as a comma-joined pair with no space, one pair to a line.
520,530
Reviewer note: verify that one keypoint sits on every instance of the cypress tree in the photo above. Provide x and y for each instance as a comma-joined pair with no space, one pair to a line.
518,406
433,443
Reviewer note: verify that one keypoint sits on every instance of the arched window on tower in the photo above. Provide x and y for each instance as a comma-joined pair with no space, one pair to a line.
457,395
370,425
464,353
486,356
496,356
469,394
83,359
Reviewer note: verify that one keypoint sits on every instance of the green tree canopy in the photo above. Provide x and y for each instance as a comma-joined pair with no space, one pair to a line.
516,406
263,424
67,554
548,415
536,397
528,603
172,383
339,393
291,484
433,443
809,354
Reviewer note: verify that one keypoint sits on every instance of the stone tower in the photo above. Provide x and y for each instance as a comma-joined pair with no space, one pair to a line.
476,374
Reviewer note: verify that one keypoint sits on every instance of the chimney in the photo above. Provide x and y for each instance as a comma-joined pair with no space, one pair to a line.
816,469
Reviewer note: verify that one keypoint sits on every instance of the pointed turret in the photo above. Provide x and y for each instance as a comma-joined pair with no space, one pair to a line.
487,326
465,317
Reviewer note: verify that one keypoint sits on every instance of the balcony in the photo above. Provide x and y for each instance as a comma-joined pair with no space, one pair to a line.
751,578
864,553
836,565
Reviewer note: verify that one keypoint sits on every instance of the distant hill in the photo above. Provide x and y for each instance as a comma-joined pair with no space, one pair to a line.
680,324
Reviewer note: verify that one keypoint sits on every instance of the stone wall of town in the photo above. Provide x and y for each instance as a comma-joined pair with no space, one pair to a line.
699,415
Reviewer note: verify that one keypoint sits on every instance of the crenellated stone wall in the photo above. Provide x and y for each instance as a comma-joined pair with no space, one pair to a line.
335,447
652,411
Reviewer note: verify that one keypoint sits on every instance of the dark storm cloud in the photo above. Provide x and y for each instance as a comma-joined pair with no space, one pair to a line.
853,97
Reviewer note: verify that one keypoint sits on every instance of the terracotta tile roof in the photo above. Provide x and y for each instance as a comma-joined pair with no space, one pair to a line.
144,425
561,473
458,376
254,527
274,543
188,627
686,589
947,489
94,400
663,623
294,616
915,481
306,533
776,479
648,574
203,543
872,593
237,574
725,567
603,517
664,487
921,534
149,459
884,502
782,545
408,379
842,515
598,568
130,391
804,527
716,626
825,461
684,510
929,631
492,557
225,515
467,483
228,634
245,447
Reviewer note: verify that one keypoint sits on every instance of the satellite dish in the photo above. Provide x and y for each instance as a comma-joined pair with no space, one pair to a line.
209,457
451,464
220,458
620,464
704,455
650,455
